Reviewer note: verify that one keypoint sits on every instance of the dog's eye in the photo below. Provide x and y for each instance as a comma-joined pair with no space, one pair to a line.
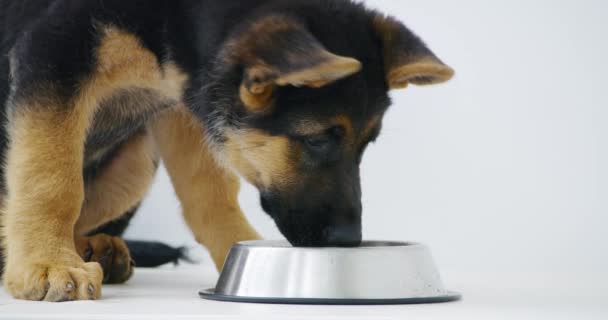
322,140
317,142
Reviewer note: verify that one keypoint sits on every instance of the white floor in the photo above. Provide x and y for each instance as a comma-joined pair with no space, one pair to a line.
171,293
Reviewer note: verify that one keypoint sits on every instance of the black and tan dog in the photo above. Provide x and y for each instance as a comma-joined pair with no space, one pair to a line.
285,93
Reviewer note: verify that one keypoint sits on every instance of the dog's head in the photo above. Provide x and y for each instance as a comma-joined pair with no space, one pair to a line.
299,92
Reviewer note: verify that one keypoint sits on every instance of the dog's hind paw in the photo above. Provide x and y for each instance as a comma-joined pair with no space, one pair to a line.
111,253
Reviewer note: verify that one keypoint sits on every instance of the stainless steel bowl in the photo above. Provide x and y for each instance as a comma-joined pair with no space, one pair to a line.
374,273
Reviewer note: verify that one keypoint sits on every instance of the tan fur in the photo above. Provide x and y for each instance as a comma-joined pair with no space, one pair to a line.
256,91
44,171
121,185
123,62
319,69
346,123
262,159
45,192
308,127
369,127
421,72
126,103
208,193
387,28
331,68
403,67
257,99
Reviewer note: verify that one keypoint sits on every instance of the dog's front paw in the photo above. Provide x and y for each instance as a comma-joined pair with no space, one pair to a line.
54,282
111,253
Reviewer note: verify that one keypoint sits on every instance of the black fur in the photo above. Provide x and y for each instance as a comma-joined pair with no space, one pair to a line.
55,41
151,254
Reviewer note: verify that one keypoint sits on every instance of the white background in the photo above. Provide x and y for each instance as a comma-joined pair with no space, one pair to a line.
502,169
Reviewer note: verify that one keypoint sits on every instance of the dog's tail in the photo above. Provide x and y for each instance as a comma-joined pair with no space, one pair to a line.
150,254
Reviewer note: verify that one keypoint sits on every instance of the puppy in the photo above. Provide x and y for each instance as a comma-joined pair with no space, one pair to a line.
284,93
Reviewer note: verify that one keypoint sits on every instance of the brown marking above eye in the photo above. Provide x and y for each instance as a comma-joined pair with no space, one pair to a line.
352,138
371,130
309,127
347,124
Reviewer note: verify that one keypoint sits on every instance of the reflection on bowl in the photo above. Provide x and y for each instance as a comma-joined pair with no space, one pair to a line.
377,272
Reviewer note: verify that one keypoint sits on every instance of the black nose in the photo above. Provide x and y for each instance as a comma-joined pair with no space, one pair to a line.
343,235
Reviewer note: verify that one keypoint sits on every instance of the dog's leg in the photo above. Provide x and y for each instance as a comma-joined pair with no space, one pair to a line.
207,192
121,185
45,163
118,189
45,195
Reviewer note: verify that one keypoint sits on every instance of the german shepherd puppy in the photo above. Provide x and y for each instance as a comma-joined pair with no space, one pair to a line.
284,93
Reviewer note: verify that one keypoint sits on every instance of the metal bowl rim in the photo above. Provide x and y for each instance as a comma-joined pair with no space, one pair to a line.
367,245
449,296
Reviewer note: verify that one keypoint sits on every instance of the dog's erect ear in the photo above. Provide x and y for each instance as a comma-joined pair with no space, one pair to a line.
406,58
279,51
